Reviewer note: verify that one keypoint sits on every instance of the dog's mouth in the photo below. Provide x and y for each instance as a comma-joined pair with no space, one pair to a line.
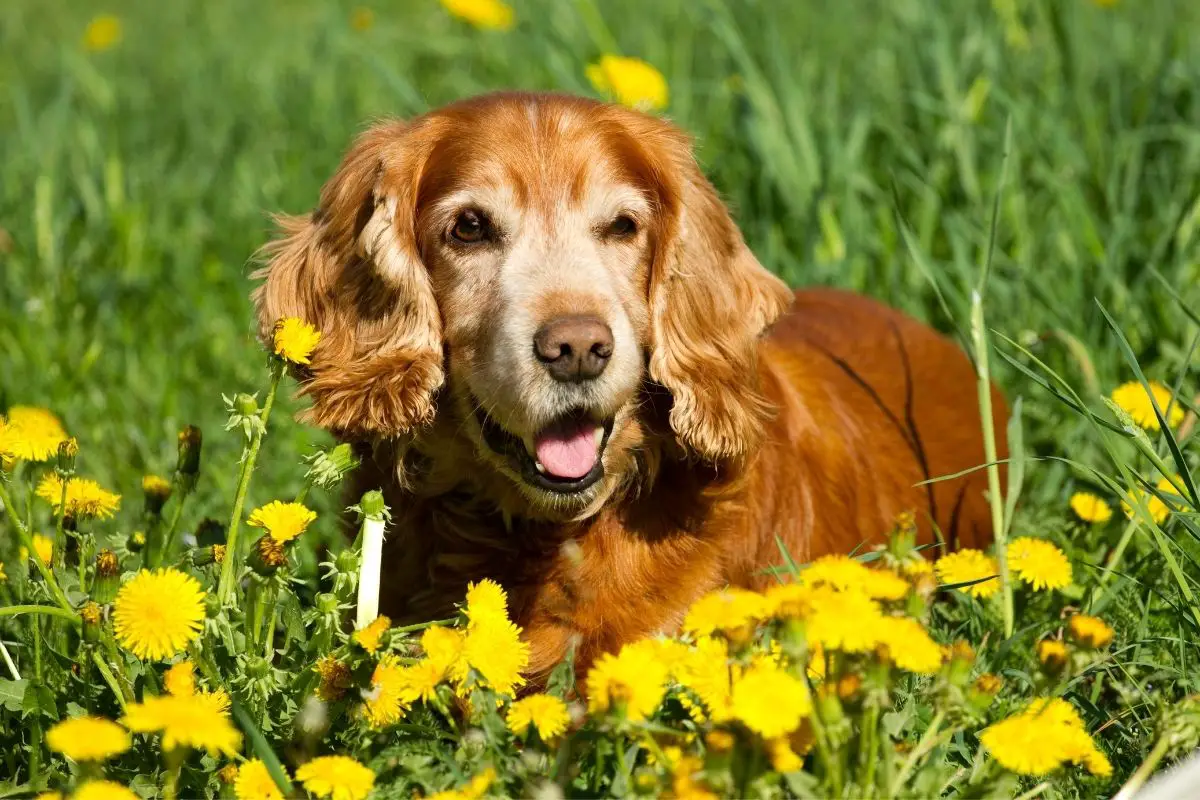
565,457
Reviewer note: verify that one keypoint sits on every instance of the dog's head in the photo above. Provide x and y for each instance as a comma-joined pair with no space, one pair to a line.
506,276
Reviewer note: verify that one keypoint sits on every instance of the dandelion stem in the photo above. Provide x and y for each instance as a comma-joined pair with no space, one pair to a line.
35,744
27,541
232,554
60,544
53,611
8,662
1035,791
109,678
168,538
995,499
927,743
1145,770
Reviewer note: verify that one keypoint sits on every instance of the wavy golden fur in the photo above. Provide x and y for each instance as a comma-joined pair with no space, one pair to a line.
518,287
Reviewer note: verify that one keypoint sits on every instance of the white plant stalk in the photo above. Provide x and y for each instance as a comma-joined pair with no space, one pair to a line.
369,569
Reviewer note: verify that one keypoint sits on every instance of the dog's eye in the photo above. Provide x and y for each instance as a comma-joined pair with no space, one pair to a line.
470,227
622,227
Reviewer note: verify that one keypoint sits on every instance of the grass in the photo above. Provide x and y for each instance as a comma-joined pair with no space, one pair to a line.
861,144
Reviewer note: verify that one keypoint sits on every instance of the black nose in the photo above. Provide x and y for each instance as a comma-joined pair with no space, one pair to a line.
574,349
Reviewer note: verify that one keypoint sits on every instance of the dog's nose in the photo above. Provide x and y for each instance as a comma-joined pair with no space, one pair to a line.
574,349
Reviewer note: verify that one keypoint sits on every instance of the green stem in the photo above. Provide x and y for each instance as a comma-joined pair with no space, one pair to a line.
171,782
35,745
268,634
53,611
27,540
232,554
995,499
420,626
110,679
866,752
60,543
1143,772
168,538
1034,792
926,744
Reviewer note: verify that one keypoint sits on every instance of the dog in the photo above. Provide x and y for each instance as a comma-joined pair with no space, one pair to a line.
548,340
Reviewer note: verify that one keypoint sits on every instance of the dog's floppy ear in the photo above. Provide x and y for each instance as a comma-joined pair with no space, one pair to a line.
710,300
352,269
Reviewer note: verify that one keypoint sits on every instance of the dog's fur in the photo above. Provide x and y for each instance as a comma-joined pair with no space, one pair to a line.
740,412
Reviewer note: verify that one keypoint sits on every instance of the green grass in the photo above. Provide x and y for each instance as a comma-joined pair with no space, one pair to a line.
860,144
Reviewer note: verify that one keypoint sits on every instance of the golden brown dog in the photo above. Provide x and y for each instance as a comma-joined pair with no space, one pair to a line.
570,374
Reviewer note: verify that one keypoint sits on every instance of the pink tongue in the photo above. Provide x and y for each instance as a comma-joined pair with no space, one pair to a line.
569,451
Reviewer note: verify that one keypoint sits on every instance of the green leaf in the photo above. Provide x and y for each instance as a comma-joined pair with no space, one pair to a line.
39,700
12,693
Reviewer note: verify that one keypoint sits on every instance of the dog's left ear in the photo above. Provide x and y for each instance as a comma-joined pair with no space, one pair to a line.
710,301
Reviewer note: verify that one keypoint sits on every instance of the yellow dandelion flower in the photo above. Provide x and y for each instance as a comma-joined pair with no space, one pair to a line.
1090,508
88,739
49,796
783,757
486,14
909,646
294,340
32,434
708,673
847,574
1135,401
254,782
85,498
968,565
630,81
769,701
387,700
476,788
633,680
486,601
1052,653
102,33
103,790
336,777
180,679
335,678
157,614
362,19
1040,738
1158,508
1039,563
720,741
684,785
546,713
846,621
789,600
725,610
368,638
494,649
443,647
282,521
228,774
156,486
1090,632
42,545
199,721
422,680
916,568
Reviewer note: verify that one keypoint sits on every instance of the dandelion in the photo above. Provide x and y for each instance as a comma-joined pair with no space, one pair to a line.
388,698
708,673
789,600
103,790
633,679
30,434
486,601
294,340
849,575
335,678
546,713
180,679
909,645
254,782
362,19
368,638
966,566
85,498
102,33
1036,741
88,739
282,521
1052,653
783,757
1039,563
1090,508
443,647
720,741
684,785
476,788
630,81
846,621
1090,632
157,614
200,721
769,701
486,14
336,777
1158,508
1135,400
43,546
495,650
725,610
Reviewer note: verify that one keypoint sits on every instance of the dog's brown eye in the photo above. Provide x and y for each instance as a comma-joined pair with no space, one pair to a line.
622,227
470,227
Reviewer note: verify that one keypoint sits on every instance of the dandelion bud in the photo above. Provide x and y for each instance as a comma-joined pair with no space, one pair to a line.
67,451
346,561
188,465
245,404
328,467
327,603
228,774
983,691
137,540
1053,655
720,741
372,505
213,554
108,576
848,686
1091,632
335,678
267,557
91,616
959,659
212,605
258,667
155,491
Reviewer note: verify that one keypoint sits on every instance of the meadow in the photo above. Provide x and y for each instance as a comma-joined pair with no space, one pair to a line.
1042,156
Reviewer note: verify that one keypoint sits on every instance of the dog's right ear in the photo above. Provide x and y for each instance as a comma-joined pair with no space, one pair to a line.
352,269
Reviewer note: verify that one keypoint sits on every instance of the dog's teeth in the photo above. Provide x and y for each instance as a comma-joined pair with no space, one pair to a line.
539,466
599,434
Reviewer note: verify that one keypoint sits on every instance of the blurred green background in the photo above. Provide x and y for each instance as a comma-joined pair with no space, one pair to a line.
137,180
